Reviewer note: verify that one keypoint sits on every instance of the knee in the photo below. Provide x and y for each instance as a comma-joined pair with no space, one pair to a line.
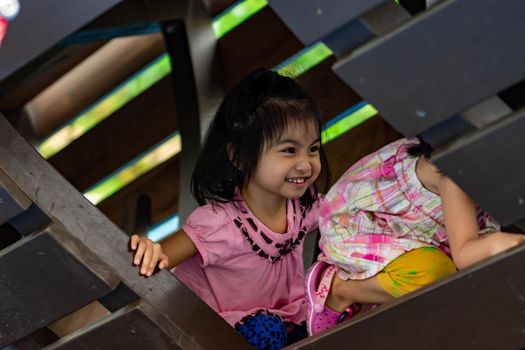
433,264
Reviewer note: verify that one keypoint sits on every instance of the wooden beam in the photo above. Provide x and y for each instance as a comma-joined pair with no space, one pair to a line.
481,307
131,130
311,20
440,58
12,200
172,301
33,33
160,184
330,93
27,267
262,41
137,326
185,92
215,7
487,164
137,13
18,89
104,70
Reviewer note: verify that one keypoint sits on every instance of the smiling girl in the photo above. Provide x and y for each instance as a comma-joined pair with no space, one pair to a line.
241,251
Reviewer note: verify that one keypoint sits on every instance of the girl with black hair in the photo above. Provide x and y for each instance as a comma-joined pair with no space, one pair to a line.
241,250
389,226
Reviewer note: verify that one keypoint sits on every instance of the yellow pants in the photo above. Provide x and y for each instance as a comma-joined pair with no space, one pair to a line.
415,269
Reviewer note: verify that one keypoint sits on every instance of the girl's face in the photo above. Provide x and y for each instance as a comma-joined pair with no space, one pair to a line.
288,166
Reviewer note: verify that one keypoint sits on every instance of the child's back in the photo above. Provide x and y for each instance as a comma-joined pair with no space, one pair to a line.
389,226
382,208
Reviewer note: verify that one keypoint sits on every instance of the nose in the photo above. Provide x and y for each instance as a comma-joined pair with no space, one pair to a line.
303,164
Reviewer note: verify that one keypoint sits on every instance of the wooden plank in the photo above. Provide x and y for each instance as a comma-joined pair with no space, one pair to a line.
163,192
18,89
8,236
340,25
137,13
30,301
268,46
30,221
172,300
481,307
160,184
311,20
330,93
44,34
106,69
441,58
215,7
13,201
131,130
185,91
137,326
488,165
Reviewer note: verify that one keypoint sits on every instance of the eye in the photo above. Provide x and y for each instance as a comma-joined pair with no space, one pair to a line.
315,148
289,150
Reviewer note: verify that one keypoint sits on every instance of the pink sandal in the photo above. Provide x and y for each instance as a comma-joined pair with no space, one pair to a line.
318,283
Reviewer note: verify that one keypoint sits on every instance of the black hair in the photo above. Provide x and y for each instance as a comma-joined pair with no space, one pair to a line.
254,113
420,148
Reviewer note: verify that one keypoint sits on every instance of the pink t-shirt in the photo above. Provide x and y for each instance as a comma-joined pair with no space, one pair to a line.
242,266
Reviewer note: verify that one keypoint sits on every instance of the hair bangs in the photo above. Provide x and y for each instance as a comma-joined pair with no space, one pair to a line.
276,115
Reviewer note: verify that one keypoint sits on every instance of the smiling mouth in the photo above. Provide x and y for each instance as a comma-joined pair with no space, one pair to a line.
297,181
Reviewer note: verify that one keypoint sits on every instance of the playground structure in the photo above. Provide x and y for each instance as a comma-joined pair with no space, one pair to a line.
453,73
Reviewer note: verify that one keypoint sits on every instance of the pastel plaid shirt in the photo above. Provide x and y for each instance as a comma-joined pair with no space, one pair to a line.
378,210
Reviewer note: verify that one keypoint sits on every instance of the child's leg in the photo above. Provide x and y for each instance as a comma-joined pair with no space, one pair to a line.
331,299
414,270
405,274
346,292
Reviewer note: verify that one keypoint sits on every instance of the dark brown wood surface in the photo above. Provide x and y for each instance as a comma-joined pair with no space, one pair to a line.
92,231
262,41
113,64
130,131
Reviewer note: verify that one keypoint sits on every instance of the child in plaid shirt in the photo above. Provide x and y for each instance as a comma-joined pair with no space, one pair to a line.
388,227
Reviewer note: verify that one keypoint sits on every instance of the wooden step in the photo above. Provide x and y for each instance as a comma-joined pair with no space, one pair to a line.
426,72
46,276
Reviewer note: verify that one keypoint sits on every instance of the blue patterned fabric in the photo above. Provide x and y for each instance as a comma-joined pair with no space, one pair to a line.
264,331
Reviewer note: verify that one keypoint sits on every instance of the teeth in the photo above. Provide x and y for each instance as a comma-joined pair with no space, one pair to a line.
296,181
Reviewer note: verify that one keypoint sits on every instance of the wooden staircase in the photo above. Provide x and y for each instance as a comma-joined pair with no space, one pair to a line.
453,73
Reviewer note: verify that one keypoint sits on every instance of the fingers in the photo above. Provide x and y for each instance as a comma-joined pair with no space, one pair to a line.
157,251
140,250
148,255
134,241
146,260
163,261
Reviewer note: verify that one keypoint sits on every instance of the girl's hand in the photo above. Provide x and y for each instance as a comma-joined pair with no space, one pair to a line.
148,254
502,241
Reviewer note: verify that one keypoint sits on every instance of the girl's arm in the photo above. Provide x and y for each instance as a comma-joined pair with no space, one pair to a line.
462,230
167,254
